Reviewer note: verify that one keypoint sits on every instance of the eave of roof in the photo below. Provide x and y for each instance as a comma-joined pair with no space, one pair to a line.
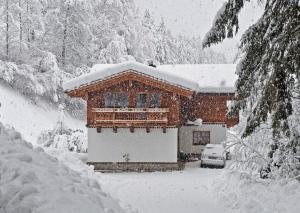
125,76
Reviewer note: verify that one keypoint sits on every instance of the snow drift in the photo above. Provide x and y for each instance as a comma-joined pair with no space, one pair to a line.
241,192
33,181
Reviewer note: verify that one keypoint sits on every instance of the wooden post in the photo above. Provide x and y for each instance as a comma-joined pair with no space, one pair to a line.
115,129
131,129
148,129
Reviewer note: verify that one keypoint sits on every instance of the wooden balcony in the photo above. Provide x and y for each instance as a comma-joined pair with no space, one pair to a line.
136,117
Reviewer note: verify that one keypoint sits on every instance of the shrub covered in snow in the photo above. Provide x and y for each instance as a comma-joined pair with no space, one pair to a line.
62,137
67,139
241,192
261,154
33,181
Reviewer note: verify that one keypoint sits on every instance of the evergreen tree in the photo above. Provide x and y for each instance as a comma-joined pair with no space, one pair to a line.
269,69
148,44
164,46
268,73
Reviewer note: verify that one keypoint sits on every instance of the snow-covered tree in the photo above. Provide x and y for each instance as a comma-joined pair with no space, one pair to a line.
148,32
268,72
164,48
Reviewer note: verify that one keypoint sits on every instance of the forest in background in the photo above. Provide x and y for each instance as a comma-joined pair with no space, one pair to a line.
81,32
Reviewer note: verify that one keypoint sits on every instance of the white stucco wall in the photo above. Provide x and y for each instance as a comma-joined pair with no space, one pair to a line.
155,146
217,135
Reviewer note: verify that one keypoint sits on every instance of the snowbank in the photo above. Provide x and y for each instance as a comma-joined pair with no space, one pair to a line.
33,181
28,117
243,193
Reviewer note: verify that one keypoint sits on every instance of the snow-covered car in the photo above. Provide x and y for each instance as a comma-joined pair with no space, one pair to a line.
213,155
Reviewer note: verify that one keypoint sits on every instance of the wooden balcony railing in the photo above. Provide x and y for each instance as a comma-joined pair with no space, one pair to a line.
130,116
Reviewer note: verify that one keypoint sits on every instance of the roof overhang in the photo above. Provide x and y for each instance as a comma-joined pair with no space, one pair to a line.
128,75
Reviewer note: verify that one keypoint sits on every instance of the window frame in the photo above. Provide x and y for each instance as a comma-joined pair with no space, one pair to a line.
201,132
136,99
113,94
148,99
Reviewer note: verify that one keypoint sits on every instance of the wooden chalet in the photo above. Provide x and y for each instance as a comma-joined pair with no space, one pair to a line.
139,117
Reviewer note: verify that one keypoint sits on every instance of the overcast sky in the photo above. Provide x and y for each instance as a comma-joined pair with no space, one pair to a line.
195,17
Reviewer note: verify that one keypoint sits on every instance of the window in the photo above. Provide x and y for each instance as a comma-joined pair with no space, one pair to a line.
116,100
141,100
154,100
144,100
201,137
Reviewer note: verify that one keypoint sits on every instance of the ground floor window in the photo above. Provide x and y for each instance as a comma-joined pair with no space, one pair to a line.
201,137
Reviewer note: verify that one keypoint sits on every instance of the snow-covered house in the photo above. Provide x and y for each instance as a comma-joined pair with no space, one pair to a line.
139,117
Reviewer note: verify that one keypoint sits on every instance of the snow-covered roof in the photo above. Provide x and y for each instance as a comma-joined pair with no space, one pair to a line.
211,78
208,78
105,71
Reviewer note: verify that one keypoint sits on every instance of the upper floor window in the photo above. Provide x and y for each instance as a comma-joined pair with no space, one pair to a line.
154,100
201,137
116,100
144,100
141,100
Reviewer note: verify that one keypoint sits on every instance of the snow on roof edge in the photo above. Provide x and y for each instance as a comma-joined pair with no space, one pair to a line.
216,90
211,78
102,72
116,69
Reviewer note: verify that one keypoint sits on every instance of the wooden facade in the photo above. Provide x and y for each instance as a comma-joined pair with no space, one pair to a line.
210,107
176,104
166,115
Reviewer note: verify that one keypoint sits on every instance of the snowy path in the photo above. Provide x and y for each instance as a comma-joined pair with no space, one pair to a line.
190,190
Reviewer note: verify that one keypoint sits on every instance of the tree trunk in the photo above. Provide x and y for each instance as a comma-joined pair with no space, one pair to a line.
27,22
7,31
21,27
63,53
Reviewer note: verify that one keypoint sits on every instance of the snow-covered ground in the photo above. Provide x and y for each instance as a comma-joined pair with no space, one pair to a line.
186,191
31,179
30,118
190,190
194,189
